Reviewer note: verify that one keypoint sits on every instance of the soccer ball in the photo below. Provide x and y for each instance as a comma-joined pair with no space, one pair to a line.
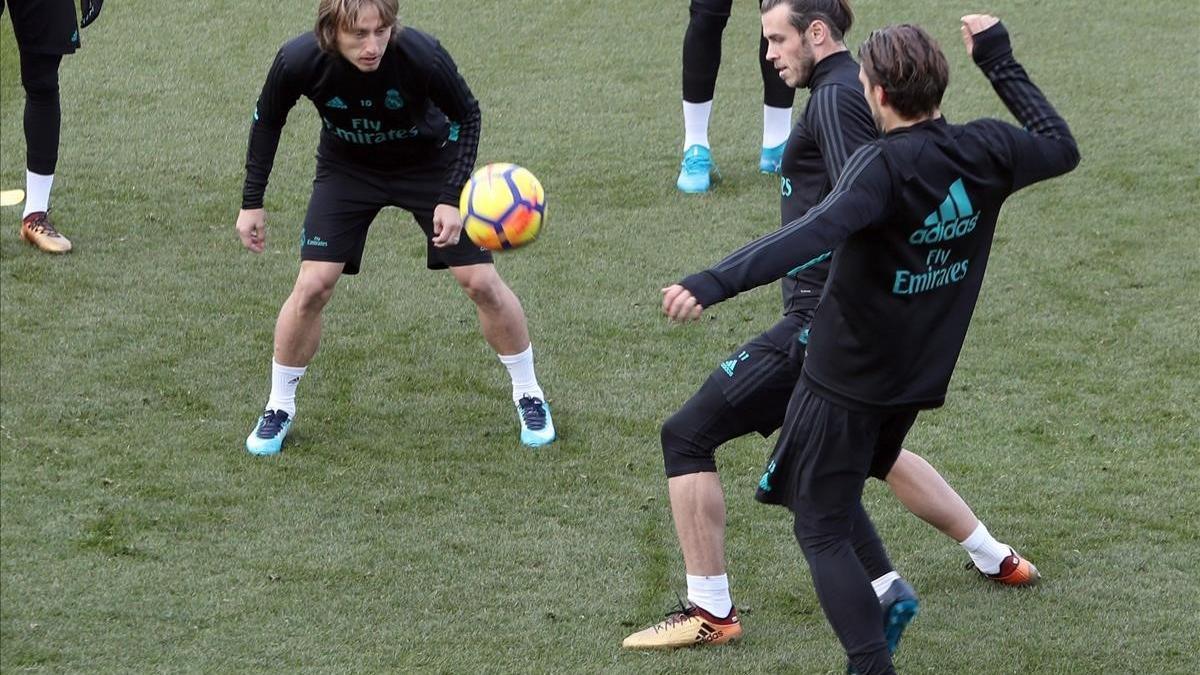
502,206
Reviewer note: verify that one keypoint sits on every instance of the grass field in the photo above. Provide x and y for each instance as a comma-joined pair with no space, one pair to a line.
405,529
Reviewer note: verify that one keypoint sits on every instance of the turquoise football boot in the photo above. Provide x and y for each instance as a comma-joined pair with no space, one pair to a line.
537,428
771,159
899,605
267,437
697,171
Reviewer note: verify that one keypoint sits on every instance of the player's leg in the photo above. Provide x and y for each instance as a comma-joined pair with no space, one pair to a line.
502,320
339,215
501,317
822,459
690,438
43,115
926,494
777,113
701,62
746,393
44,31
297,335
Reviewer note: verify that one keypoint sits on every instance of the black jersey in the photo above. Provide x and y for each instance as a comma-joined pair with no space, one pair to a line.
912,218
835,123
397,118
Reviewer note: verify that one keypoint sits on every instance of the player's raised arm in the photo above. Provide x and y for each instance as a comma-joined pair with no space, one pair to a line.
858,200
1046,148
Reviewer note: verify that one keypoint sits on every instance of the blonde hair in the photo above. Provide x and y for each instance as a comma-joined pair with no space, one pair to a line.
335,14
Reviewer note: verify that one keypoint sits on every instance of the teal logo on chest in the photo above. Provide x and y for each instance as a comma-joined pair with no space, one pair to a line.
392,100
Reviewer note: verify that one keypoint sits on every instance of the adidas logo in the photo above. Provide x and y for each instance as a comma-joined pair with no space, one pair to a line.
336,102
764,483
729,365
952,219
707,633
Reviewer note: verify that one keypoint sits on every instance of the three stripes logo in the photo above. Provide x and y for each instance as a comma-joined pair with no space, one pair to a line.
764,483
729,365
954,218
337,103
707,633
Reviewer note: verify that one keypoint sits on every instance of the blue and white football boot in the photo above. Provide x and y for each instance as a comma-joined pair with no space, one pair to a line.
267,437
697,171
537,428
900,606
771,159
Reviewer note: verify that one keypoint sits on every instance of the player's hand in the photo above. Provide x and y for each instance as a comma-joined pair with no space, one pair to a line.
679,304
974,24
447,225
88,11
252,229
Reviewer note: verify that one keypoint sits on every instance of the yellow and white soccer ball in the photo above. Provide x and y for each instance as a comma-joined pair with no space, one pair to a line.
503,206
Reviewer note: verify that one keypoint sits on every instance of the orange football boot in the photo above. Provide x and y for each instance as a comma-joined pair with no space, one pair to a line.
686,627
37,229
1014,571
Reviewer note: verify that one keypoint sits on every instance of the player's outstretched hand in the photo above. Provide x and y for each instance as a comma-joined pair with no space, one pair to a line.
252,229
679,304
447,225
974,24
88,11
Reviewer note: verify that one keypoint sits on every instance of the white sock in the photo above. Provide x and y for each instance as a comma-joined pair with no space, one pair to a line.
710,594
984,550
37,192
777,125
883,583
695,123
520,370
283,387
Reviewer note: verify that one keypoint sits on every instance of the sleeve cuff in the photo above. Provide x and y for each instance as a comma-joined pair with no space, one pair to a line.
705,287
992,46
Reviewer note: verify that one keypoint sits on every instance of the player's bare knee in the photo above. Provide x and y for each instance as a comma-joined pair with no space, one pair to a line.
311,294
484,288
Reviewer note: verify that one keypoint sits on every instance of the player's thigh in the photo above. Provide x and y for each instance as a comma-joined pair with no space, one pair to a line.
892,431
690,437
45,26
822,459
340,211
719,8
418,194
745,393
760,376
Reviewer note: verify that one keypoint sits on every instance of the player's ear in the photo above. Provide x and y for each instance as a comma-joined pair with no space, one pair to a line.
818,31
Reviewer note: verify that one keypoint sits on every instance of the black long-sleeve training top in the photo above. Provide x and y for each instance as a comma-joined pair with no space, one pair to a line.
911,218
836,122
395,118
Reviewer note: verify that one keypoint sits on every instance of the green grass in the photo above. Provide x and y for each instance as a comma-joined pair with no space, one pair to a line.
404,528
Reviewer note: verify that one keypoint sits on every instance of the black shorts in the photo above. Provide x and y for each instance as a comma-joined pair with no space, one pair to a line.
747,392
757,379
345,200
44,26
826,452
